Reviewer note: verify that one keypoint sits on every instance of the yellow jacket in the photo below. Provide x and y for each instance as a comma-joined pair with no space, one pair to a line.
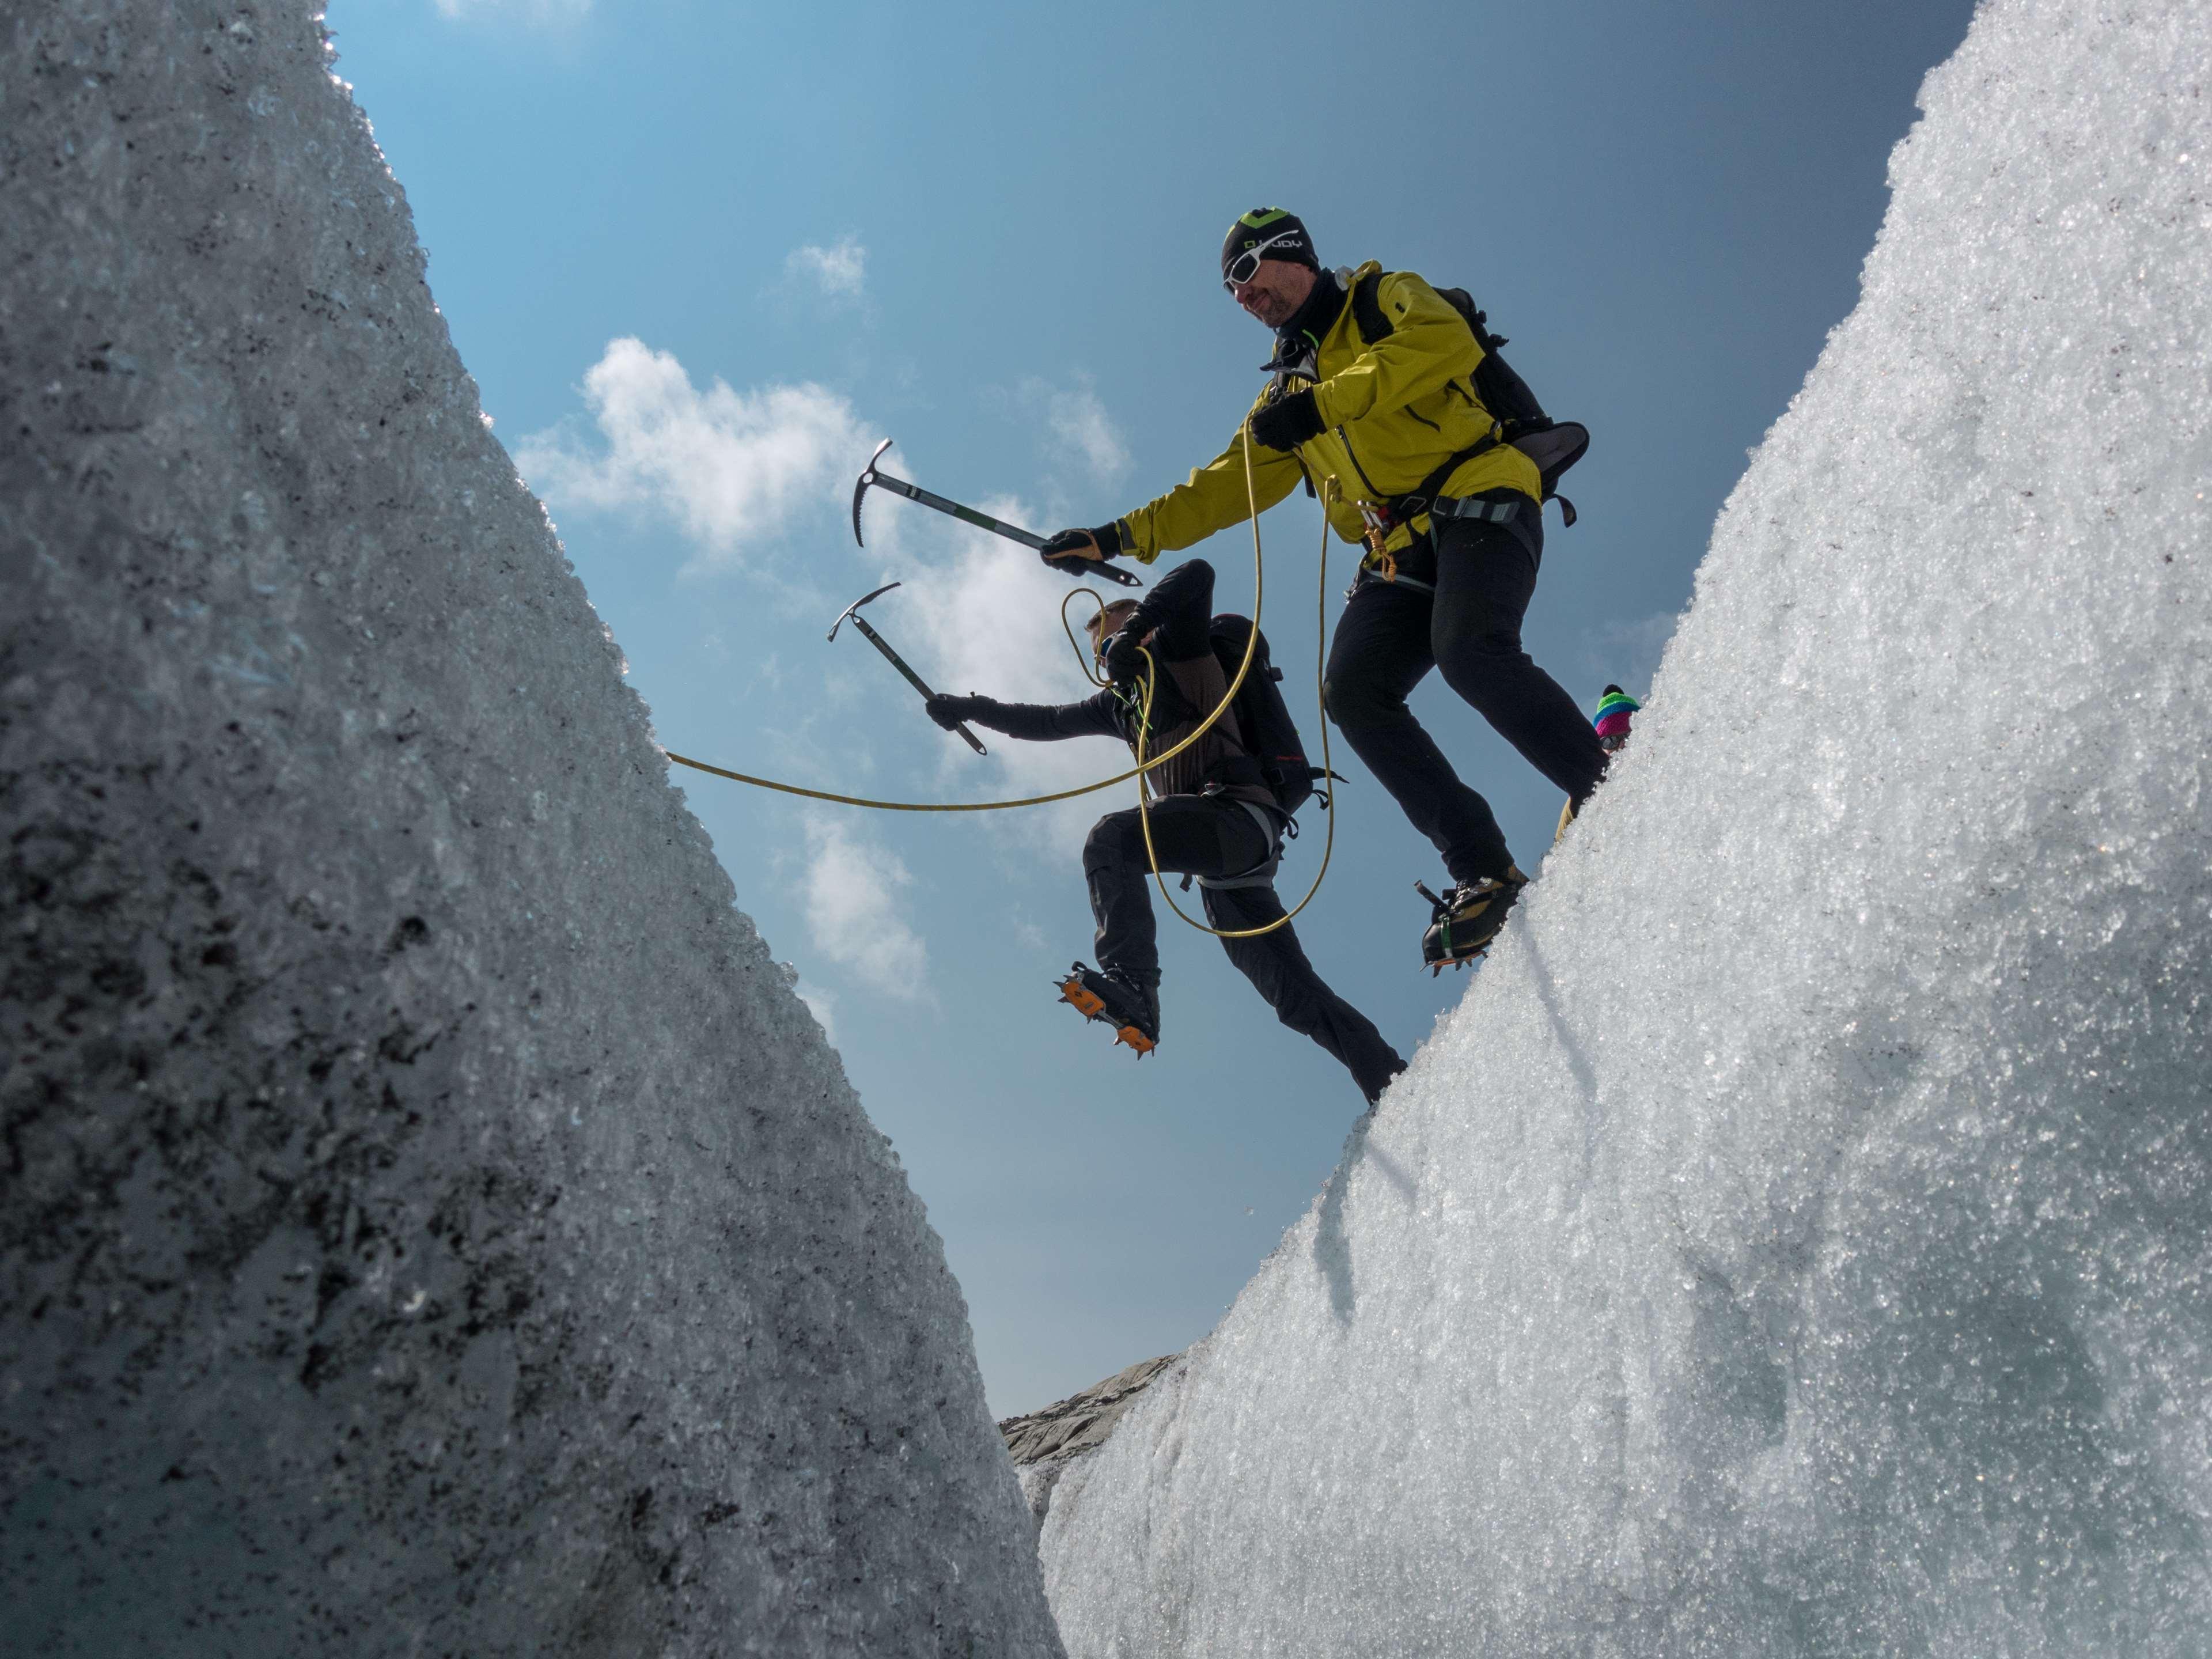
1393,408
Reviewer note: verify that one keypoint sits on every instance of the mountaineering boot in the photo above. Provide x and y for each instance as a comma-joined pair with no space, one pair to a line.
1109,994
1616,711
1468,919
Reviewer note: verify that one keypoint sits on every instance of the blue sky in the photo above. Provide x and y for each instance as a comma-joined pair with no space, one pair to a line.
701,257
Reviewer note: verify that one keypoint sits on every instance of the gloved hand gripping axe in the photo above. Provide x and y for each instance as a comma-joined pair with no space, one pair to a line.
965,514
897,661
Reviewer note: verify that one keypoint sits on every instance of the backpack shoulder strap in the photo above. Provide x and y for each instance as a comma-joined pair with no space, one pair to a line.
1367,307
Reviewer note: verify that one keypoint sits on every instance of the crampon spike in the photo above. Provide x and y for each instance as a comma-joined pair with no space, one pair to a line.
1080,997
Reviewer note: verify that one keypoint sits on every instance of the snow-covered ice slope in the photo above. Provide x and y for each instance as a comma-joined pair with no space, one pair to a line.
429,1224
1800,1239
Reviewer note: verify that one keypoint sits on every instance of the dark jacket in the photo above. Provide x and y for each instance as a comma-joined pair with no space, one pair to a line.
1179,611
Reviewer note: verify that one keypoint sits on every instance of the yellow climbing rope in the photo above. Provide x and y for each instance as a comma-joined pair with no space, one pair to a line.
1251,648
1320,704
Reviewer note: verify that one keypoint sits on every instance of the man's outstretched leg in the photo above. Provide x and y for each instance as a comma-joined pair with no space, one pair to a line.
1486,573
1380,651
1190,834
1276,964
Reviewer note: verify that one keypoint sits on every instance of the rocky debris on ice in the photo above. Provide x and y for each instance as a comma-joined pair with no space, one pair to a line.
1042,1442
429,1223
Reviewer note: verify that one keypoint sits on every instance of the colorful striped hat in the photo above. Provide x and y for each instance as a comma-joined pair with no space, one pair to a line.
1612,719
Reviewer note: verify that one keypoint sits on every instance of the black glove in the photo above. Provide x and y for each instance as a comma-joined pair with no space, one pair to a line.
1288,422
949,712
1124,657
1067,550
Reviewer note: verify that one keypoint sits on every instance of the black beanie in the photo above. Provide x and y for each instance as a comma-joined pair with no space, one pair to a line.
1264,224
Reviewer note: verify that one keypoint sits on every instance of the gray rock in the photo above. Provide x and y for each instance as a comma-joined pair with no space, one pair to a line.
1043,1443
428,1223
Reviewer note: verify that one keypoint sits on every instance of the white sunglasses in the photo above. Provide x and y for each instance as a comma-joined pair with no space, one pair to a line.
1246,265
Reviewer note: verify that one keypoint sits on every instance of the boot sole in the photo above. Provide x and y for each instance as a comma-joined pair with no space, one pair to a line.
1088,1003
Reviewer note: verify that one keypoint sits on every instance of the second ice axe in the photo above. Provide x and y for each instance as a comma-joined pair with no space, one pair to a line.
965,514
898,662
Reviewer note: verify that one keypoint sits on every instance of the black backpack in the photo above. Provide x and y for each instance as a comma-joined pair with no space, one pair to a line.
1271,736
1553,446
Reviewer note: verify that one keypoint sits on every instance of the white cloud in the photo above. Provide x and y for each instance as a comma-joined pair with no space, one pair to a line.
1079,421
736,469
841,272
535,11
853,911
731,468
984,615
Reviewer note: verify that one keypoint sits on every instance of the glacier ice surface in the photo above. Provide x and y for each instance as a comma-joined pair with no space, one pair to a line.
1799,1241
429,1223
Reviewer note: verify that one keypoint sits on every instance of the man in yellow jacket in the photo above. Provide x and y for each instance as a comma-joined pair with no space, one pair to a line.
1373,388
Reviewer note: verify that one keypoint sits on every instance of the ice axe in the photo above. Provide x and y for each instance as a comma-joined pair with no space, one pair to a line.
965,514
897,661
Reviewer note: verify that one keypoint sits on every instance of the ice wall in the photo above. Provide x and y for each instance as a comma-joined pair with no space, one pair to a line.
1799,1242
429,1224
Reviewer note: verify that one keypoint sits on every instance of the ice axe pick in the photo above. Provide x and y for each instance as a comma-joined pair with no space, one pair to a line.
898,662
869,475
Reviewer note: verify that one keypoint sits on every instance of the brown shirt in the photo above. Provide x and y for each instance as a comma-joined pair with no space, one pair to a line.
1199,684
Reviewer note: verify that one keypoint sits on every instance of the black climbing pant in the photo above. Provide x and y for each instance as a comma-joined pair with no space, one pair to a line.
1276,966
1391,634
1207,836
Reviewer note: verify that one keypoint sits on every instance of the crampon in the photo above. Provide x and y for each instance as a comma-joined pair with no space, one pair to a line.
1101,996
1465,921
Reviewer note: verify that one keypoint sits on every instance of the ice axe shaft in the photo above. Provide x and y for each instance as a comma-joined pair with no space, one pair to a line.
869,475
853,611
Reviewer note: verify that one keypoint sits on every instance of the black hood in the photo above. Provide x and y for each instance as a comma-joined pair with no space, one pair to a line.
1299,338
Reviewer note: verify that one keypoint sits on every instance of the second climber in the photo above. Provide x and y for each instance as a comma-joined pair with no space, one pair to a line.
1214,817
